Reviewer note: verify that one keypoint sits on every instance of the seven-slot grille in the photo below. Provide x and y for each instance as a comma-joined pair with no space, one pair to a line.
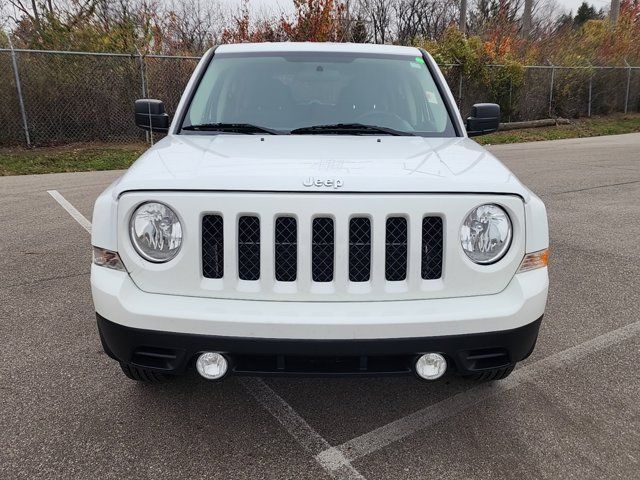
322,248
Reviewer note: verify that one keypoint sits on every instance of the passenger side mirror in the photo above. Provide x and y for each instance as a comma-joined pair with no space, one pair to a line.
485,118
151,116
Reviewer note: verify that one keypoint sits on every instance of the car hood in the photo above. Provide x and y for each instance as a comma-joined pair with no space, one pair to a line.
313,163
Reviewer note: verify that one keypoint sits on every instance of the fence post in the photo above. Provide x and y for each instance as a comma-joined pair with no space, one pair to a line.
143,79
590,100
460,86
626,97
553,77
510,94
590,90
16,74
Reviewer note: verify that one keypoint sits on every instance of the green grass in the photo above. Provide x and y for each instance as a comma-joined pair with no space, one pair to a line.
593,127
88,157
76,158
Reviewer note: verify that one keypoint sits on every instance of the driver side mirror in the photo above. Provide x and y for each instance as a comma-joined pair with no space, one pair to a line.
151,116
484,118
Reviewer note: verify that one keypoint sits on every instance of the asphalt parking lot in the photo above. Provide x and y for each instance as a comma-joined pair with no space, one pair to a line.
572,410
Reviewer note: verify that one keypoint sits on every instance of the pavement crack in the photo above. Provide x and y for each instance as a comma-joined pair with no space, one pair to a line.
607,167
590,188
43,280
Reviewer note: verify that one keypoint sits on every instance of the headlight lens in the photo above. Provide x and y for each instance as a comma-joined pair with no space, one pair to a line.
485,234
156,232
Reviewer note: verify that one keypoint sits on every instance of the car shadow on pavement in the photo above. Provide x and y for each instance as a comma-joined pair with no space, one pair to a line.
339,409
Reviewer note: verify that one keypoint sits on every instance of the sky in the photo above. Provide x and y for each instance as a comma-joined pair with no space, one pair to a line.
285,4
574,4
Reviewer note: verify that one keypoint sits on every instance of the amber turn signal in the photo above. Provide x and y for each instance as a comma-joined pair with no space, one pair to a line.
534,260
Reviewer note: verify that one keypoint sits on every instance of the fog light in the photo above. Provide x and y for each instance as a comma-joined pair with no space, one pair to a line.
211,365
431,366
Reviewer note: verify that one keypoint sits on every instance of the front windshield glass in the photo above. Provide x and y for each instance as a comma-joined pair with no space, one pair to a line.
296,90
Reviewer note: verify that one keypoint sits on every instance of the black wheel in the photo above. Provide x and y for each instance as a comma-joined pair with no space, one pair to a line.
143,374
493,374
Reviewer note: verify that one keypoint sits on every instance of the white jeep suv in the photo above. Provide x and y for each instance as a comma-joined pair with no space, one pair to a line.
318,209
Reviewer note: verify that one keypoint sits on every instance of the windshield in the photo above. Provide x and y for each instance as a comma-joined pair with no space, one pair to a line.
285,92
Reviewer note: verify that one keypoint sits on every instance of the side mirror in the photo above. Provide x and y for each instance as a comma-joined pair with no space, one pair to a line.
150,115
485,118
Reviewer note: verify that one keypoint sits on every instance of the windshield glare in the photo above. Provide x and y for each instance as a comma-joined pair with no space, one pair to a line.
288,91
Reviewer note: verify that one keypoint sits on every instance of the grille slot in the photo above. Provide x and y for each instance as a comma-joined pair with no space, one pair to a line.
249,248
286,249
395,268
432,248
212,246
322,249
359,249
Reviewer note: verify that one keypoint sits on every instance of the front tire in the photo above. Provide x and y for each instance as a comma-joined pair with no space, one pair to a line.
143,374
493,374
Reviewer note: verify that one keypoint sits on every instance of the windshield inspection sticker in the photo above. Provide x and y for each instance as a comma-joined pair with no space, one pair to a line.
417,61
431,97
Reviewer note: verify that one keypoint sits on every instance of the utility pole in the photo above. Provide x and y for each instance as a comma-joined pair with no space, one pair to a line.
615,11
526,18
463,16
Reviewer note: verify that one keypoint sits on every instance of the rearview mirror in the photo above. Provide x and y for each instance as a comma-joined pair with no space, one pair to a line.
485,118
151,116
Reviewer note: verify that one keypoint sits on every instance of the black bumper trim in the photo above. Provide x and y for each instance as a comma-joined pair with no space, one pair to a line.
175,353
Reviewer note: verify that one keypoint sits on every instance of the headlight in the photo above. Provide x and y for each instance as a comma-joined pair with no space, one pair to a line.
485,234
156,232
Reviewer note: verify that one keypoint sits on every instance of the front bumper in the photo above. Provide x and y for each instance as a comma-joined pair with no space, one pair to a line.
118,299
175,353
165,332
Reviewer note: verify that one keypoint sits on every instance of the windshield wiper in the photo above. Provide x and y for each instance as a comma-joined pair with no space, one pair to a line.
348,129
230,127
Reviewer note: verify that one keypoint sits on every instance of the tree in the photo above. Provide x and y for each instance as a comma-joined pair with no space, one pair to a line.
491,14
462,23
585,13
615,10
317,21
359,33
378,15
563,22
526,18
241,28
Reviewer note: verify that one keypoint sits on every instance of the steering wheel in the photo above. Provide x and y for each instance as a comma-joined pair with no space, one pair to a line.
385,119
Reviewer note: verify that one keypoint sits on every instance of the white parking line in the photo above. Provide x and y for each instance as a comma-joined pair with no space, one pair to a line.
296,426
77,216
367,443
284,413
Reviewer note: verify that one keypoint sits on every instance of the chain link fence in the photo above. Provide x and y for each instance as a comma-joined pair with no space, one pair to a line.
56,98
548,91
